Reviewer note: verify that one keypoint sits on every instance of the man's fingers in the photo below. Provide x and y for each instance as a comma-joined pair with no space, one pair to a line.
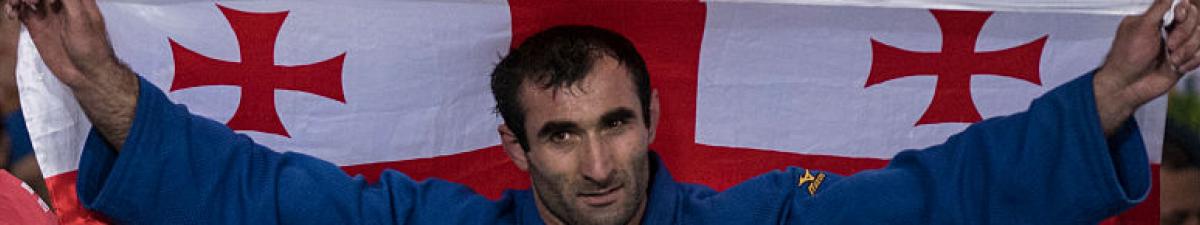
46,33
1185,25
16,6
76,24
30,2
39,26
1156,11
1183,41
9,13
92,11
73,10
1191,64
1185,51
1186,54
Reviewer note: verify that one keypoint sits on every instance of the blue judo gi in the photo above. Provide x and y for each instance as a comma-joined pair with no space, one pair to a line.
1049,165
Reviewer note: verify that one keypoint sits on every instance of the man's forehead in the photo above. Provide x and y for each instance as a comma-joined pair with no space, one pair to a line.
607,85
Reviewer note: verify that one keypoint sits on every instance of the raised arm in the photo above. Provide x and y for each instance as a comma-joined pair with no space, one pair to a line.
153,162
71,38
178,168
1074,157
1140,66
1049,165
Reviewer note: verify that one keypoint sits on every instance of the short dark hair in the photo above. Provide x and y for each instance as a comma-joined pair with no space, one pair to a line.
561,57
1181,146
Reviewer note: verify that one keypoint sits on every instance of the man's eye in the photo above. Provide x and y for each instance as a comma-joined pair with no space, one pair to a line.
615,123
560,137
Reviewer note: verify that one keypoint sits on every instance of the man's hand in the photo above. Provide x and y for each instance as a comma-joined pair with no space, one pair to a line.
1140,66
70,35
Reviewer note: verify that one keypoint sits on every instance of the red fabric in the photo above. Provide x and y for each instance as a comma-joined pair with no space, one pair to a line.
66,202
20,204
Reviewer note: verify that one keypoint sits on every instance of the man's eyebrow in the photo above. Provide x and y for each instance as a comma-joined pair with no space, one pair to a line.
552,127
618,114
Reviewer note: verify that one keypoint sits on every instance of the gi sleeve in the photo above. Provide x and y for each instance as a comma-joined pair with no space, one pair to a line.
178,168
1049,165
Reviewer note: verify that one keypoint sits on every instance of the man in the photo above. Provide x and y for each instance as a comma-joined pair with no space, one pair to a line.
579,115
1180,175
16,150
21,187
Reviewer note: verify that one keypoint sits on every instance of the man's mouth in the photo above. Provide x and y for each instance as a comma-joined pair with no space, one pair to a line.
602,197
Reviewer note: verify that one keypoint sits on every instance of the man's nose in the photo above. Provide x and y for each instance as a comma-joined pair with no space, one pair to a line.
596,163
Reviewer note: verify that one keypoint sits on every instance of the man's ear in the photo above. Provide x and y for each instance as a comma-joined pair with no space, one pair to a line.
513,147
654,111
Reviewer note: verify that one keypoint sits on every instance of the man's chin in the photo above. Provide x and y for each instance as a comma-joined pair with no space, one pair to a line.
605,218
617,212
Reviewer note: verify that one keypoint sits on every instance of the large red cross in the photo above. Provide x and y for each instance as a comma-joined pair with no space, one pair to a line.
955,65
257,74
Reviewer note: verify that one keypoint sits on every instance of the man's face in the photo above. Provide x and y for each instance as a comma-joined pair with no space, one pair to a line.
1180,202
588,147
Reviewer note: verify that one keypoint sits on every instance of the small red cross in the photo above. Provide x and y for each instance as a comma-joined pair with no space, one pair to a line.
955,65
257,74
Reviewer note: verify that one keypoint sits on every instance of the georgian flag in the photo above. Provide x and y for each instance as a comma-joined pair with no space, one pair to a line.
745,87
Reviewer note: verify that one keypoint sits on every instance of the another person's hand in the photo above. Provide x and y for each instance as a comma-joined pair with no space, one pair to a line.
1138,67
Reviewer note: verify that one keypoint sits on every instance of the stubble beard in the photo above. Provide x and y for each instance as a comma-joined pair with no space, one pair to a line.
558,197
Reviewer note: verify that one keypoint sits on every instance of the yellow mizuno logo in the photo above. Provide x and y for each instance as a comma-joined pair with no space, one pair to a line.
813,182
